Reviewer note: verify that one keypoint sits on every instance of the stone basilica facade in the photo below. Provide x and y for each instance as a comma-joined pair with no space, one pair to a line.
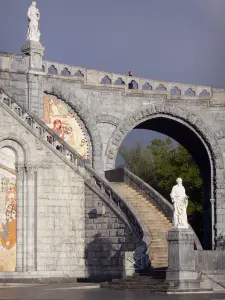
61,128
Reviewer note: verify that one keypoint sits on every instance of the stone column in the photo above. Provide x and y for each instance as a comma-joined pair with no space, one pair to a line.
181,271
31,222
20,230
35,51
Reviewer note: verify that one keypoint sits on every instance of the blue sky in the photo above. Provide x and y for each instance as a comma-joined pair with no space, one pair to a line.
171,40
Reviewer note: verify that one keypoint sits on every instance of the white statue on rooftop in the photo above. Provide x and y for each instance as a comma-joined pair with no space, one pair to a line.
180,203
33,19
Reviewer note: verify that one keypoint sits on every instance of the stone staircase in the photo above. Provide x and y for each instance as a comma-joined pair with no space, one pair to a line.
154,283
155,220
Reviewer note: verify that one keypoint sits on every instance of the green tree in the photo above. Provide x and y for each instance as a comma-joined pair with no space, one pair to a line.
140,161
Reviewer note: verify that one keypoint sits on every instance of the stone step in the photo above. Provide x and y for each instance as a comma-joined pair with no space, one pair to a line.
159,260
158,234
159,229
159,256
136,198
161,252
160,249
140,201
162,261
155,223
151,214
148,211
140,285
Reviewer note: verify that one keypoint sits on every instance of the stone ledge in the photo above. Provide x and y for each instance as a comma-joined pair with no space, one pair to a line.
41,277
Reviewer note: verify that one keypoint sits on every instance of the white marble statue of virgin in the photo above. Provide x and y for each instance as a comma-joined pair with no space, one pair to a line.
33,14
180,203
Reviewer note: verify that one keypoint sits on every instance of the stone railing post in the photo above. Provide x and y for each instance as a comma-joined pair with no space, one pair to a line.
181,271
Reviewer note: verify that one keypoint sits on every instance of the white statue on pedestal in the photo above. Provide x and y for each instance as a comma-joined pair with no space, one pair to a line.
33,19
180,203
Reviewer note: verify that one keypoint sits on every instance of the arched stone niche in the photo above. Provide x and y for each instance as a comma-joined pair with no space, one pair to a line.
23,195
87,119
65,122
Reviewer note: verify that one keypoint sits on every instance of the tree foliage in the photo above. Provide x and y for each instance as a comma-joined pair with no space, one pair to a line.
140,161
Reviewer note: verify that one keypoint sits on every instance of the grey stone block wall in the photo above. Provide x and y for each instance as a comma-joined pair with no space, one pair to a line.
211,267
60,219
16,84
107,240
51,207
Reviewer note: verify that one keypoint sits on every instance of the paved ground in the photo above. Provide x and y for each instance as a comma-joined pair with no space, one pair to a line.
87,292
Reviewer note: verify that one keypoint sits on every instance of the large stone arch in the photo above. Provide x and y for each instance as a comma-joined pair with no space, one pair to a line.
85,115
187,118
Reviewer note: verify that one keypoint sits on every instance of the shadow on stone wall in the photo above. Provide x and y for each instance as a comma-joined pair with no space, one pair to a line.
103,259
108,241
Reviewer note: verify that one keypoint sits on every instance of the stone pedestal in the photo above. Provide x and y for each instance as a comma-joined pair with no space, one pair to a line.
181,272
35,51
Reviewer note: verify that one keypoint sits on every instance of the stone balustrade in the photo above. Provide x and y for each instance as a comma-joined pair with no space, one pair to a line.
12,62
100,78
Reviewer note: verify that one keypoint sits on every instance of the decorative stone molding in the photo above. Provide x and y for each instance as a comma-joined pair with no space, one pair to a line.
220,134
104,118
89,121
32,78
175,237
20,169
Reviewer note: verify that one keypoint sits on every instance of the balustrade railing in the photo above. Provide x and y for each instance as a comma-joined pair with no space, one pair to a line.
118,81
108,79
95,182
